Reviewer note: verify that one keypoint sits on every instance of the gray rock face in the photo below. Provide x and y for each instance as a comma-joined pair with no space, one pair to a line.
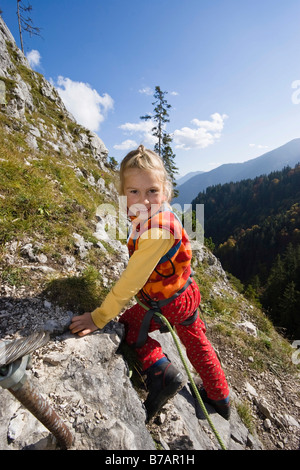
5,59
21,101
86,381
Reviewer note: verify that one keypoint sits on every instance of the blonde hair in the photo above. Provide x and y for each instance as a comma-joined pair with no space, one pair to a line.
145,159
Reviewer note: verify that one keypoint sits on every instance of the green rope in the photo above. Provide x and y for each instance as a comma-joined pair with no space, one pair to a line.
200,401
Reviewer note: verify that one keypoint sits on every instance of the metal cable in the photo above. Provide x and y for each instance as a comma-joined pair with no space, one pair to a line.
11,351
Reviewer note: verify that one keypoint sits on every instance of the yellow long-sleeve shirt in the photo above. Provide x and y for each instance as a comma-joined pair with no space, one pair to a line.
153,245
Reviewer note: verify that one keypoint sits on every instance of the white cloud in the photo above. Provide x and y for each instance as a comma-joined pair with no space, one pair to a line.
143,130
146,91
34,58
85,103
259,146
141,127
126,145
204,133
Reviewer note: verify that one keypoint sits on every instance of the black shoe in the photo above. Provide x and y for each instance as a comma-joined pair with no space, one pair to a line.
221,406
163,381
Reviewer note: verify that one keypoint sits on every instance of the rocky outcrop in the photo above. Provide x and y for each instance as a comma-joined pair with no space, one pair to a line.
88,385
86,380
28,92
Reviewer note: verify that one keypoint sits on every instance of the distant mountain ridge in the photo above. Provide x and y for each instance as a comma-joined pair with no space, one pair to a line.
286,155
188,176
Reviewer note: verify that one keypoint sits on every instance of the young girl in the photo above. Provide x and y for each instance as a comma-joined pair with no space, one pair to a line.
159,273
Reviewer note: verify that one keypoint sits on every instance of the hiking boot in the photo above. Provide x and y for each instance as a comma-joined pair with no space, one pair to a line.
163,381
221,406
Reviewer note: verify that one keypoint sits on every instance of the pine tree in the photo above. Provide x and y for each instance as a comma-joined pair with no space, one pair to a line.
162,146
168,159
161,117
275,285
288,309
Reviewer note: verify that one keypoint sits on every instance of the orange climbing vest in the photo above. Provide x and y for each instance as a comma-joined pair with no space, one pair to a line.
173,270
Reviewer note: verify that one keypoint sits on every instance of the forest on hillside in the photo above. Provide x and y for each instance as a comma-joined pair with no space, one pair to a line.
254,226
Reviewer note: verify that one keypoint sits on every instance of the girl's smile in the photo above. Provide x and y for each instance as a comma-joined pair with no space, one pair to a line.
144,191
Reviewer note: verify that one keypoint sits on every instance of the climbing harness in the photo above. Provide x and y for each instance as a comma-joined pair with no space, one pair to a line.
155,307
14,360
164,320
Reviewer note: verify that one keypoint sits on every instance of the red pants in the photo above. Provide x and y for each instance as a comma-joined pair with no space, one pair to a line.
199,350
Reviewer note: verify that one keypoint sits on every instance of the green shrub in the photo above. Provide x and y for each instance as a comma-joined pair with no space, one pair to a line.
77,293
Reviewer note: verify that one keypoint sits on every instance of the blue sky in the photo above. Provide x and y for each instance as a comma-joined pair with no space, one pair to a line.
229,67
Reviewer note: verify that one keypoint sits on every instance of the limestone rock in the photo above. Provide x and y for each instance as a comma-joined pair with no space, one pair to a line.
86,381
249,327
21,101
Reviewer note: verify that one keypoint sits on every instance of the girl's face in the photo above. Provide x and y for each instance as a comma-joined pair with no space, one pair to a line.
144,191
